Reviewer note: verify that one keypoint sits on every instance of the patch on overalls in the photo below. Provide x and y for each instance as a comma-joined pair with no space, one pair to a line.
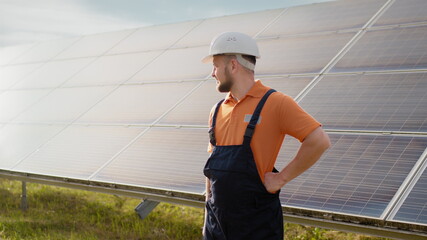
248,118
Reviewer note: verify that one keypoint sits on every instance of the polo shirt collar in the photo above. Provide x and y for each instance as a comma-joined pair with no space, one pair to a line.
256,91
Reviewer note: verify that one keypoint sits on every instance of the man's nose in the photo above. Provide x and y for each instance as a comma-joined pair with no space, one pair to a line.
213,73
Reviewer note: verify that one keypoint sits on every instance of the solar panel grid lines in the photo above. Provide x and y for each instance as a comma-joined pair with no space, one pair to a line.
161,170
402,12
370,102
358,175
402,48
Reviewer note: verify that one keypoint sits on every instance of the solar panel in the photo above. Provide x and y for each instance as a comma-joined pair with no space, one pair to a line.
163,158
94,45
44,51
290,86
7,54
250,23
389,49
128,110
330,16
13,103
304,54
77,146
11,74
137,104
358,175
153,38
176,64
52,74
63,105
104,69
194,110
17,141
414,208
402,12
382,102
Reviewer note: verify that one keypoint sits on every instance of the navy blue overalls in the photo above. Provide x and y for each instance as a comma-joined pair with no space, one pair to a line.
239,206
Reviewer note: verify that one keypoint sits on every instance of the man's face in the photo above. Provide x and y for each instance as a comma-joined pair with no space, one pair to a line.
221,73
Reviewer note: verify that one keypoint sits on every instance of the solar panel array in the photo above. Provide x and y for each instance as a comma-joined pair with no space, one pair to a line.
131,107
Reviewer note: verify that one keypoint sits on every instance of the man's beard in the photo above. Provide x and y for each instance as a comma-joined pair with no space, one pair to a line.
227,84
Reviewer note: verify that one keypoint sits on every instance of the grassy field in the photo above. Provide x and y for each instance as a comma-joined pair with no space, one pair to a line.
61,213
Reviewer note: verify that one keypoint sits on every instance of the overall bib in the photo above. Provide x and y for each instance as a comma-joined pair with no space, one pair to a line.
240,207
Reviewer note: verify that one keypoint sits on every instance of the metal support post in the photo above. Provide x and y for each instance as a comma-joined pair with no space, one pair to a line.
145,208
24,203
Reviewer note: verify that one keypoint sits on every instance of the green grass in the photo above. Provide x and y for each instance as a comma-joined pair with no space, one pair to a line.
61,213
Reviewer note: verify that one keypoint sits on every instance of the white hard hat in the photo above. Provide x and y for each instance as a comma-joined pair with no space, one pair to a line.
234,43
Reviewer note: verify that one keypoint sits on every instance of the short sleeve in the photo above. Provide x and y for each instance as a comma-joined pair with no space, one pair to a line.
294,120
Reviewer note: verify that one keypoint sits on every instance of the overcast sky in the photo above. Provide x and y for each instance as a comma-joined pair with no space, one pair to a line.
25,21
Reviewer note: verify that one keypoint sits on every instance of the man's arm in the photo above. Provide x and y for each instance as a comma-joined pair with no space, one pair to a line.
312,148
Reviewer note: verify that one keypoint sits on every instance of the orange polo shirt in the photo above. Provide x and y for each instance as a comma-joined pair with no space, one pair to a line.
280,116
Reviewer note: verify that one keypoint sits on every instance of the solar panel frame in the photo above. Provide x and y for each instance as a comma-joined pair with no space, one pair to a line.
414,208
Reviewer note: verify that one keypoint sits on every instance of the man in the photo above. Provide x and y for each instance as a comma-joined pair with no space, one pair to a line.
247,130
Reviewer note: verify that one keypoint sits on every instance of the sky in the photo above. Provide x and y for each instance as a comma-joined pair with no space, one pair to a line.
27,21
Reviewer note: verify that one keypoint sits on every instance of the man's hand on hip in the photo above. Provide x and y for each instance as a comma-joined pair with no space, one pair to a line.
273,182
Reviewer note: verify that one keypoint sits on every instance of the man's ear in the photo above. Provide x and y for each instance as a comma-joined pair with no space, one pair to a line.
234,64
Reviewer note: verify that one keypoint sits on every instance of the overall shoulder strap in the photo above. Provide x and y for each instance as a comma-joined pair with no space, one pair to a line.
212,127
255,117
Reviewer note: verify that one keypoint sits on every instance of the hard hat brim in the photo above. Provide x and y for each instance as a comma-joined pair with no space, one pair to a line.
207,59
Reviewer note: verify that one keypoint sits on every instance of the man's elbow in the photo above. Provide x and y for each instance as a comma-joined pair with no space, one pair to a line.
325,141
319,139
